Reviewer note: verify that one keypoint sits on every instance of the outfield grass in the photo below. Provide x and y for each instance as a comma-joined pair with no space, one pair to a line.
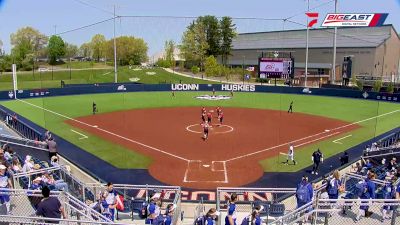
350,110
28,80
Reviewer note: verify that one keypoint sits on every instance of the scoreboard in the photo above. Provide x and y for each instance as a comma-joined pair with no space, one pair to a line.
276,67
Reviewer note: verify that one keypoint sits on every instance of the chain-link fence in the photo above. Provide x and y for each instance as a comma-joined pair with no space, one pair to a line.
344,212
23,203
137,196
270,198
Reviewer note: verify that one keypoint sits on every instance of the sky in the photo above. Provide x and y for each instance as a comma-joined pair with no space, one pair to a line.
56,16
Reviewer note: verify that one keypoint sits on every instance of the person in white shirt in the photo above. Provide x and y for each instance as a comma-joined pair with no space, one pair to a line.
290,155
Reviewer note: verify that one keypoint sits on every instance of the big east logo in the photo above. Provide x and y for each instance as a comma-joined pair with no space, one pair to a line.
354,19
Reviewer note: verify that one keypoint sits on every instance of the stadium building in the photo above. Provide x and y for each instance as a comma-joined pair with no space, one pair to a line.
374,51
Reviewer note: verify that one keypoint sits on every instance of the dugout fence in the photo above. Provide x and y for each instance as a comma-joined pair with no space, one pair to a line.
23,205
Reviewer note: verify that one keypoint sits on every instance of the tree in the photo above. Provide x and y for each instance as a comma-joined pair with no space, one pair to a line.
1,48
211,67
56,49
377,86
169,49
5,63
228,32
390,88
71,50
85,50
212,33
129,50
194,44
26,41
97,45
195,70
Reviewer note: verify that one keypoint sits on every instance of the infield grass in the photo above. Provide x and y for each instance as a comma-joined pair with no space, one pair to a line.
346,109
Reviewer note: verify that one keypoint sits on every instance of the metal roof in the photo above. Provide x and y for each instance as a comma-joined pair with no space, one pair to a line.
318,38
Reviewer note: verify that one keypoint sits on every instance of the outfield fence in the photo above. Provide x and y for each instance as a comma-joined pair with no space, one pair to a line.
19,126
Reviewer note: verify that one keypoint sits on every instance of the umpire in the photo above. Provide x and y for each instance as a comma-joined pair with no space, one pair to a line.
317,158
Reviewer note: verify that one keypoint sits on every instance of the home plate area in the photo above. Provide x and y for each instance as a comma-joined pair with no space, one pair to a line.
206,171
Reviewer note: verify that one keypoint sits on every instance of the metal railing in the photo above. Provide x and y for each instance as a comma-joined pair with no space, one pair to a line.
20,127
344,211
24,203
139,193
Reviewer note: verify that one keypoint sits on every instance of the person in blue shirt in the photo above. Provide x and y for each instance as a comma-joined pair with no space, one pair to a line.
368,193
230,219
334,185
255,216
169,213
398,191
5,183
304,192
211,217
389,192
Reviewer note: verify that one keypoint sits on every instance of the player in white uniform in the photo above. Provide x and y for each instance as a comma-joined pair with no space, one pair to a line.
290,155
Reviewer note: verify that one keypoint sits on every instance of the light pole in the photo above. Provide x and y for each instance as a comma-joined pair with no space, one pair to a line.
306,66
333,76
243,68
115,54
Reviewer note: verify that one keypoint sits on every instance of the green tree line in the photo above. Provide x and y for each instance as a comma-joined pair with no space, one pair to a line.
29,45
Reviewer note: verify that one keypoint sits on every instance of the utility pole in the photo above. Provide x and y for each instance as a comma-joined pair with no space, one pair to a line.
115,54
333,75
306,66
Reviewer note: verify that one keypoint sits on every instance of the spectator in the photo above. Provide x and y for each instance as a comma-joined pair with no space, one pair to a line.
211,217
47,135
169,213
59,185
344,159
334,185
3,160
8,153
392,164
50,207
230,219
104,206
255,216
16,165
36,184
5,184
54,161
153,209
52,146
389,192
111,199
28,165
317,158
367,192
367,165
304,192
357,168
398,191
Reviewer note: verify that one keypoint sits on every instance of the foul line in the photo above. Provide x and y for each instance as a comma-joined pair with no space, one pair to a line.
106,131
304,143
337,140
83,136
337,128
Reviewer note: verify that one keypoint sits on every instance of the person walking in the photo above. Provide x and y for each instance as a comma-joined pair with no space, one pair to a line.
290,110
366,191
334,185
52,146
290,155
317,158
50,207
304,192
